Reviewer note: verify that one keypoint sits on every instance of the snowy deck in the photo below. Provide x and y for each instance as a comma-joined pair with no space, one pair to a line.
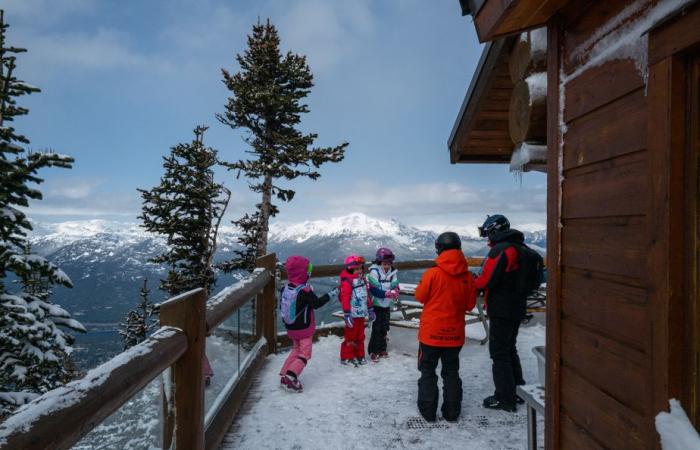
374,406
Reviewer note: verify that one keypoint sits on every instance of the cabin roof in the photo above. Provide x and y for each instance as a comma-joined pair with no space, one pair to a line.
495,19
480,132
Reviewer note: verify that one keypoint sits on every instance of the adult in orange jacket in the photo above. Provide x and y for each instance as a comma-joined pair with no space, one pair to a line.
447,293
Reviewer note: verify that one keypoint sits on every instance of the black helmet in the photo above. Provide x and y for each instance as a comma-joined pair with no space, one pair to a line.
493,224
448,241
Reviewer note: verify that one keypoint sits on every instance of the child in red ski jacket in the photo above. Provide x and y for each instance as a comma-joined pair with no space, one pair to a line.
357,305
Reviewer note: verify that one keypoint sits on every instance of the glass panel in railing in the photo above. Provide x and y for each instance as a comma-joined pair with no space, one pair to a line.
226,349
135,425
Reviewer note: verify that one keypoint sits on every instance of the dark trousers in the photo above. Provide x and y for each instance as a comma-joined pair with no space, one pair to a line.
507,372
428,357
380,327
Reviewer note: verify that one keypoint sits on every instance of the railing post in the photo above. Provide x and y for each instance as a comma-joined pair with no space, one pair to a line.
267,303
187,312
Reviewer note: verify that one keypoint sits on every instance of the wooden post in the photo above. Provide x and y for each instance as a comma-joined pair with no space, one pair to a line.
267,303
187,312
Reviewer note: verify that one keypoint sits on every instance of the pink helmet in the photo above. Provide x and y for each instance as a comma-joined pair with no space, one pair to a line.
353,261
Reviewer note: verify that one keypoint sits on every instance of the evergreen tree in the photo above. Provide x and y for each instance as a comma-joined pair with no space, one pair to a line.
33,348
187,208
266,100
139,322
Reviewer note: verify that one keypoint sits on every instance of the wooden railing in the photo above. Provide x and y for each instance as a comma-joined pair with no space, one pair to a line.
60,418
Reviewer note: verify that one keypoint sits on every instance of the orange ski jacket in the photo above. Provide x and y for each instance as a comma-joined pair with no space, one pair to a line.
447,293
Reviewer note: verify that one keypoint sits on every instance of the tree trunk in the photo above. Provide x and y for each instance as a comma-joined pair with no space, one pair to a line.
529,54
265,216
528,110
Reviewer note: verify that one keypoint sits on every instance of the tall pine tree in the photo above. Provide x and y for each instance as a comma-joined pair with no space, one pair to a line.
33,347
266,101
139,322
187,208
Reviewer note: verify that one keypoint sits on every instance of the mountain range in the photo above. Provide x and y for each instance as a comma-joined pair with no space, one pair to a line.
107,260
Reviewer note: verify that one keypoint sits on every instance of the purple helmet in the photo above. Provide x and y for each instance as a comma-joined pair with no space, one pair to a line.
384,255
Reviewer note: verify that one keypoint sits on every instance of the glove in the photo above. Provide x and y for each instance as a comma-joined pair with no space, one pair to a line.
372,315
348,319
394,293
333,293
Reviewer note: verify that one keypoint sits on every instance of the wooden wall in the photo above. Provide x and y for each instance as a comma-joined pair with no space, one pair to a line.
600,323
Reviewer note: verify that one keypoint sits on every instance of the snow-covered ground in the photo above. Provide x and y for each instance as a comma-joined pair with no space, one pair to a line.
374,406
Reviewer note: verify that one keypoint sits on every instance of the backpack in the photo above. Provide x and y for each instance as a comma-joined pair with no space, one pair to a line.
288,303
531,273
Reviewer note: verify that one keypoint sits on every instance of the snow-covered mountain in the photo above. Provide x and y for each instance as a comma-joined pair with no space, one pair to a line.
105,260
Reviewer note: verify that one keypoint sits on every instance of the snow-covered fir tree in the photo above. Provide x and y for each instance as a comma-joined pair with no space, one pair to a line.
33,347
139,322
186,208
266,101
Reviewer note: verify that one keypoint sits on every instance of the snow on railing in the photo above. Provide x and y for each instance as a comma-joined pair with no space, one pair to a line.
59,418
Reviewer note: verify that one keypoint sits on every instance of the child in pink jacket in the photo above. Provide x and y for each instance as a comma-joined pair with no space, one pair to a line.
297,305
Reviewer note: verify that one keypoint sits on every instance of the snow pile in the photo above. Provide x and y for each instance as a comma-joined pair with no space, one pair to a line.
676,431
374,406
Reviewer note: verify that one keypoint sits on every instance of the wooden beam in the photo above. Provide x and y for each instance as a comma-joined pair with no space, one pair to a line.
554,211
188,313
499,18
676,36
268,299
60,418
667,106
225,303
334,270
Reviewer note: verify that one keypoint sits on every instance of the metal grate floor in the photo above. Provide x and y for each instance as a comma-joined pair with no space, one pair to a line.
419,423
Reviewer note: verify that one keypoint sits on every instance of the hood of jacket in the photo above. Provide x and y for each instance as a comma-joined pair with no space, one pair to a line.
297,270
513,236
453,262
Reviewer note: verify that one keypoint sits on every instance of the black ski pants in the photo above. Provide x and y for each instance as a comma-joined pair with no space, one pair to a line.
507,372
380,327
428,357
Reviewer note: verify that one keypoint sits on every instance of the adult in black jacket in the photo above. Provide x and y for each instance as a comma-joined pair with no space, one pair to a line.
506,309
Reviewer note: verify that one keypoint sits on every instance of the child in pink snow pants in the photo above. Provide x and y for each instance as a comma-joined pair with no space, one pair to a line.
297,304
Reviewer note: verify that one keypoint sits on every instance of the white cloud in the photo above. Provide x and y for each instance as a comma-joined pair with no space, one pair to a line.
419,199
104,49
71,189
46,12
326,32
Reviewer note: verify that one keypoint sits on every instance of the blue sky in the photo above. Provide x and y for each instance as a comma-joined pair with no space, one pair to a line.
123,81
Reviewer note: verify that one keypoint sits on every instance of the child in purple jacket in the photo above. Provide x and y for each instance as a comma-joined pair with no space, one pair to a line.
297,304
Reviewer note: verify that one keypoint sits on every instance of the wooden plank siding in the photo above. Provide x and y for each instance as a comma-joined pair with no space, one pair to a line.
603,323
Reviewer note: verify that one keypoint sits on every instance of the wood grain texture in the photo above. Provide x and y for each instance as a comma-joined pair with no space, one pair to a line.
554,299
77,408
188,313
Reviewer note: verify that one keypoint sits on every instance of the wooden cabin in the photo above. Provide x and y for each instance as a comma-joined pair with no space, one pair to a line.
622,134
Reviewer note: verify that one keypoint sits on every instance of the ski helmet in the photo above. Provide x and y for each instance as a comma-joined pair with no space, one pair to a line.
494,224
353,261
384,255
448,241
